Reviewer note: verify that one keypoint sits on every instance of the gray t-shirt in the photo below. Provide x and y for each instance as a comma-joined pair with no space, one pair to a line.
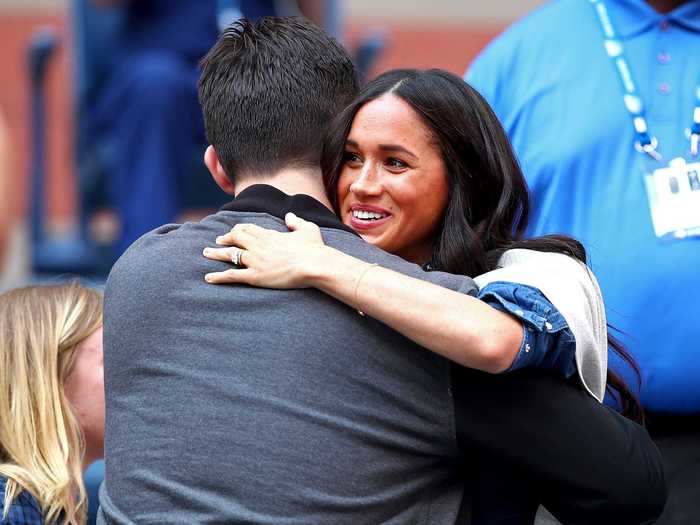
232,404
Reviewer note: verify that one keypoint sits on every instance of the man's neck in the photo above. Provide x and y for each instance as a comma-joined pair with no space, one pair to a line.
292,182
665,6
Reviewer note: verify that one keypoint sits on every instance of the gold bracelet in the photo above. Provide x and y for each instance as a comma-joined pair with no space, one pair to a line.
357,285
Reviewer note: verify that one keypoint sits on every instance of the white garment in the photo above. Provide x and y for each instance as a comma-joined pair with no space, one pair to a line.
573,289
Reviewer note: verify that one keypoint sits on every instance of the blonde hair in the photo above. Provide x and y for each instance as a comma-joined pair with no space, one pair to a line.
41,443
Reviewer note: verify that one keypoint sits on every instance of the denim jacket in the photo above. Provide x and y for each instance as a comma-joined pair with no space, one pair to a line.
547,340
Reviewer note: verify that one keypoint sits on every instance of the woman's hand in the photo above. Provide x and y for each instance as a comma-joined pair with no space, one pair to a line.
269,258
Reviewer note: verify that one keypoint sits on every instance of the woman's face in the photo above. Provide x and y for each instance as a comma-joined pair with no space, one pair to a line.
393,185
84,388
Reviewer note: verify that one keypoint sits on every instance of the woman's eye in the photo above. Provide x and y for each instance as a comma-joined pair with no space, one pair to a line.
396,163
351,158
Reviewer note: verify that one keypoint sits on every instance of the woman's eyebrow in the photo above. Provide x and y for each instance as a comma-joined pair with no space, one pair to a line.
384,147
396,148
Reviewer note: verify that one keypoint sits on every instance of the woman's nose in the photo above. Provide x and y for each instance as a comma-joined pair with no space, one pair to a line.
367,184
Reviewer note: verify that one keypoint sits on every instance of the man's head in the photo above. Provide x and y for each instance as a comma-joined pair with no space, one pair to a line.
268,90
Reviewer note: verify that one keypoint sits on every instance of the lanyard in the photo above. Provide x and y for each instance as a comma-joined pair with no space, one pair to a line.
644,143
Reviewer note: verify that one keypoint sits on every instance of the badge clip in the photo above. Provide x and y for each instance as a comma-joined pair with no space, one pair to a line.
649,149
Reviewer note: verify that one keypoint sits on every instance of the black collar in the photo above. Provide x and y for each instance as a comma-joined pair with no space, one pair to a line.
261,198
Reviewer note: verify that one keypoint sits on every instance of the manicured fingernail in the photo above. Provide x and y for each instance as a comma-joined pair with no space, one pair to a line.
208,278
206,251
219,239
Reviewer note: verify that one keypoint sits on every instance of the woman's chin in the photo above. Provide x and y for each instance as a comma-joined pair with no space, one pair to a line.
370,237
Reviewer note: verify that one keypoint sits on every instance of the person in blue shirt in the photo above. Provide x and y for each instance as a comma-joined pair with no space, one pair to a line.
598,98
149,109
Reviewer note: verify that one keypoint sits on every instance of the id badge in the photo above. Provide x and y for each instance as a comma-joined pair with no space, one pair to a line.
674,199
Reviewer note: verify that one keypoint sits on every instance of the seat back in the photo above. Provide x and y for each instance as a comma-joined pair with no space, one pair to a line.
95,32
95,40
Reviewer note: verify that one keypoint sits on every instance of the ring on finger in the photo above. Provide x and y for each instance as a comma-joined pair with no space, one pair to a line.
237,256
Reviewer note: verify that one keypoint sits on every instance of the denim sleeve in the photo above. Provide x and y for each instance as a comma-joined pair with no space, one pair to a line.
547,341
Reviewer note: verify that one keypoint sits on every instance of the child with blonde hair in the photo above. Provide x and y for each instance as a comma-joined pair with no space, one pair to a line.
51,401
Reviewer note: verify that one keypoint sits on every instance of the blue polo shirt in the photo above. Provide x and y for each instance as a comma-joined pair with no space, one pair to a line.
559,97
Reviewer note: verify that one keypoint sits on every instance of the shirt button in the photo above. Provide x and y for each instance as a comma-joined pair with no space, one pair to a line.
548,325
527,348
664,88
664,25
663,58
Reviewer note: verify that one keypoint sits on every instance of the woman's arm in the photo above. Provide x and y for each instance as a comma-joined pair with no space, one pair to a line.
457,326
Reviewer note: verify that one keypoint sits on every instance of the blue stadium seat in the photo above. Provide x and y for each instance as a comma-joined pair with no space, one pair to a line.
94,37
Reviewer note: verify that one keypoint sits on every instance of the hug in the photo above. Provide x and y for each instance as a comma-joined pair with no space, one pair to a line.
364,334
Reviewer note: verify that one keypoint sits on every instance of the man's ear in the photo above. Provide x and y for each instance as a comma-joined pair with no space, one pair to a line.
211,160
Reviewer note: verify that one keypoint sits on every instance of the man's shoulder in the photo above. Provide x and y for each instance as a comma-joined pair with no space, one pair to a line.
543,30
171,255
175,245
551,18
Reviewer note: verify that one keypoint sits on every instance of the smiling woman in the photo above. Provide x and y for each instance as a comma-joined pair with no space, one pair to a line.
393,194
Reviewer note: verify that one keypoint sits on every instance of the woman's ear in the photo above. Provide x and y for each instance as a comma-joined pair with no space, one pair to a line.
211,161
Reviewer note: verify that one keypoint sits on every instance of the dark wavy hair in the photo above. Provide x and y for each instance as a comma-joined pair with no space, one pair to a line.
488,207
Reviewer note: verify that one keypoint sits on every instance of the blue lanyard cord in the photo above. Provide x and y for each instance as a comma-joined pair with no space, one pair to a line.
644,143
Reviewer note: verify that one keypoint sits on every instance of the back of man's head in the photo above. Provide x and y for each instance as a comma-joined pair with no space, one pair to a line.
268,90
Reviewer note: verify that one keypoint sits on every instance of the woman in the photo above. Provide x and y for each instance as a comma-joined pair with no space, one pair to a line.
420,166
51,401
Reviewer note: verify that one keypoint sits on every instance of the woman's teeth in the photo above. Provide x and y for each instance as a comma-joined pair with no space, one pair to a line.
367,215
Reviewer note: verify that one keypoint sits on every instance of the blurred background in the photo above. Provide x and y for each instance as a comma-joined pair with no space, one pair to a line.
43,196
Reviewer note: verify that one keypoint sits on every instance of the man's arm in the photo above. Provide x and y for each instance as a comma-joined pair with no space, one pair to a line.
584,462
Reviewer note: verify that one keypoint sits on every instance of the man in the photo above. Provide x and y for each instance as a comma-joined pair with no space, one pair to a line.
598,98
243,405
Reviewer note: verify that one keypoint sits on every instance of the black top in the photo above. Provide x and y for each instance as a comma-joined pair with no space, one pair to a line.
261,198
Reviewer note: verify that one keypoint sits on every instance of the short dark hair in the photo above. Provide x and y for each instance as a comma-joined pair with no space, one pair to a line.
268,92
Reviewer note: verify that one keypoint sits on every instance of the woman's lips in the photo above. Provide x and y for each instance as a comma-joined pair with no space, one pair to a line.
363,218
364,225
